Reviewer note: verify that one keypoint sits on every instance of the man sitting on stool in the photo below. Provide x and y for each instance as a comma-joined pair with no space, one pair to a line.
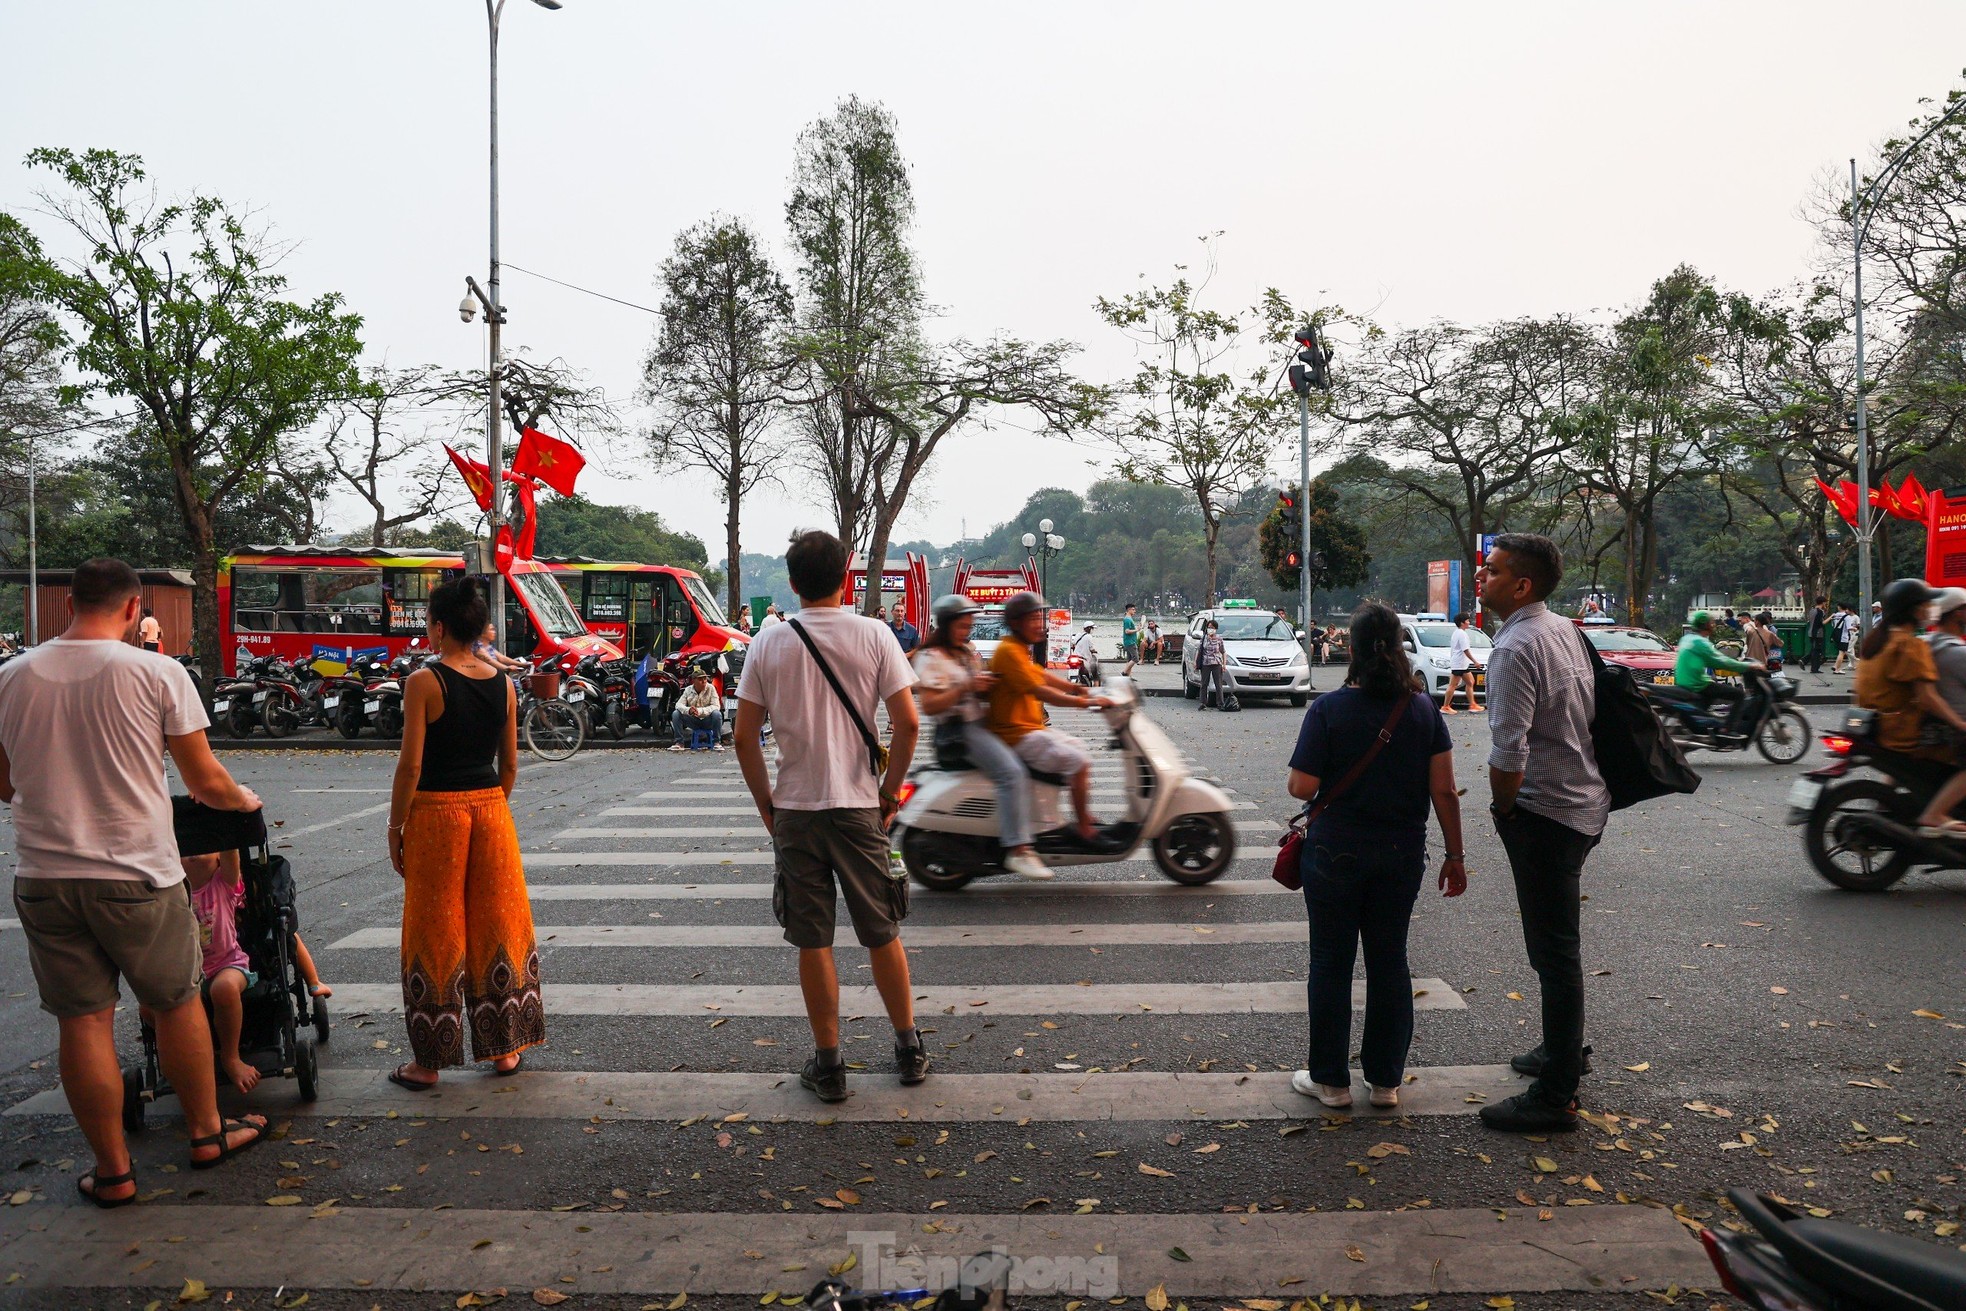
699,708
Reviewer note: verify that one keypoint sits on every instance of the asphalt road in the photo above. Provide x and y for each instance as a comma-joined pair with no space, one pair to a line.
1753,1027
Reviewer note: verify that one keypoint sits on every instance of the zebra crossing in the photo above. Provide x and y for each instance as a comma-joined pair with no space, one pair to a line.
606,881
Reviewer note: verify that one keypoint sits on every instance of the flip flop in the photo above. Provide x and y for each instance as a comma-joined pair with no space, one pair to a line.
1952,828
226,1151
516,1066
401,1080
96,1181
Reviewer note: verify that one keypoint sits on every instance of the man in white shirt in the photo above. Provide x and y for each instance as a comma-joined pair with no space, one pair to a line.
1461,666
85,720
829,810
698,707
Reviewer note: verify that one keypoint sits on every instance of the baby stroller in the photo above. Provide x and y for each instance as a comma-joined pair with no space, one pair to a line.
276,1006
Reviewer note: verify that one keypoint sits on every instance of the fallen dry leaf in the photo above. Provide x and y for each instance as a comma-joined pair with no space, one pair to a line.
1157,1298
1355,1253
1155,1171
548,1296
1543,1164
1640,1068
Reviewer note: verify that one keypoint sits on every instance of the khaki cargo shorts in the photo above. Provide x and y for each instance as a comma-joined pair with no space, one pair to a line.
817,847
83,933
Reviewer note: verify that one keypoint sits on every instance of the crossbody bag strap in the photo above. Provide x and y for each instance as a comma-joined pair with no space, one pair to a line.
866,734
1344,784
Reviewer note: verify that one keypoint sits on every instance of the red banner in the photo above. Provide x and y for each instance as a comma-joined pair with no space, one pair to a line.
548,459
476,476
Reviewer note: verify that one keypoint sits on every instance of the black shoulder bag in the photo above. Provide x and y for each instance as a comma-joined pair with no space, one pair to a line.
876,753
1635,754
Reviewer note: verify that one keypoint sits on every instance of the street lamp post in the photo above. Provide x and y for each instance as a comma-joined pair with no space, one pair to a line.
1045,544
1863,208
487,296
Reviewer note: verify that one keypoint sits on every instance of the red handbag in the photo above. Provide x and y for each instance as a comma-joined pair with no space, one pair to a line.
1290,847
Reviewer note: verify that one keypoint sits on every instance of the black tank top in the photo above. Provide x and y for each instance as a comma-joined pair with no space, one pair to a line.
460,746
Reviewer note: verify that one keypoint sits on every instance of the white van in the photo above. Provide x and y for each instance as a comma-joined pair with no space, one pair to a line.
1264,654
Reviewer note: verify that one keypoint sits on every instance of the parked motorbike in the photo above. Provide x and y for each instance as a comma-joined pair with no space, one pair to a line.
234,708
344,696
1767,719
1793,1262
383,699
614,681
1861,832
581,688
947,827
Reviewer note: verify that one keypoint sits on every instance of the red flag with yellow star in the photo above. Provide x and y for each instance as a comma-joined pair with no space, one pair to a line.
476,476
548,459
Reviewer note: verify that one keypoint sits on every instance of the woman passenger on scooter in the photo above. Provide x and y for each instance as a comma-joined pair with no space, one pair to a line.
1897,678
951,687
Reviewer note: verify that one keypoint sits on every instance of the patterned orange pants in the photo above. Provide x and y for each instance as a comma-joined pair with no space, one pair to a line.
468,949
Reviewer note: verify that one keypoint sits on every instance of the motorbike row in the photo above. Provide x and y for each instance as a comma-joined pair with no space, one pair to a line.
584,695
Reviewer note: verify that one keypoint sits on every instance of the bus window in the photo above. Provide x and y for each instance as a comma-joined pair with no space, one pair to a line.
549,602
673,621
341,601
408,592
641,620
607,597
706,605
256,599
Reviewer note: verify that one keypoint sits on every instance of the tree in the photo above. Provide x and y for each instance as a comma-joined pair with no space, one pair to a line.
366,445
1339,540
1187,418
1469,422
860,297
574,525
1648,428
718,366
178,310
32,344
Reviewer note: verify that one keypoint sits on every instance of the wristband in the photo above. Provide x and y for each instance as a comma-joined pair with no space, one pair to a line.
1453,856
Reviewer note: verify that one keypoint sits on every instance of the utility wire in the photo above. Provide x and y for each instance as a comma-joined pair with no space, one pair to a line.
583,290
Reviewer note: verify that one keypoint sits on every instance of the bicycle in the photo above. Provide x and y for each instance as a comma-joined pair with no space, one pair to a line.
553,729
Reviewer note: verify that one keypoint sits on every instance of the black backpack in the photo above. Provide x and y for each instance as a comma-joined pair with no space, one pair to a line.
1635,754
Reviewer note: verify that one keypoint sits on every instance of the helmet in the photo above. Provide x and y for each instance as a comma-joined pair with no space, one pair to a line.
1021,607
1948,600
952,607
1902,599
1699,619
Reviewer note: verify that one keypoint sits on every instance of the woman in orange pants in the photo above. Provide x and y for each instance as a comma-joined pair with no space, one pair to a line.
468,951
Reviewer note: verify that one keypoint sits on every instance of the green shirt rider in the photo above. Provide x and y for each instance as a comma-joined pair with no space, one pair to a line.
1697,655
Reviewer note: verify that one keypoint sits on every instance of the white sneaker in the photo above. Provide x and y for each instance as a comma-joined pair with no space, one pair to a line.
1333,1096
1383,1096
1027,866
718,747
677,746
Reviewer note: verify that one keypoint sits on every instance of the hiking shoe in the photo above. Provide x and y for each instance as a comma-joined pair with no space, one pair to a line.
1532,1063
826,1082
1531,1112
911,1060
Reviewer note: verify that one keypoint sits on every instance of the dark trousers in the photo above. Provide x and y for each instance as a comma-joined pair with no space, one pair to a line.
1547,859
1361,892
1817,650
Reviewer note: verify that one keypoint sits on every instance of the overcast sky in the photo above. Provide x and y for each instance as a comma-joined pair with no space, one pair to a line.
1418,160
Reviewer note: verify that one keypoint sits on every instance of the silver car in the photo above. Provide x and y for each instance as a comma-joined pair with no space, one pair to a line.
1265,657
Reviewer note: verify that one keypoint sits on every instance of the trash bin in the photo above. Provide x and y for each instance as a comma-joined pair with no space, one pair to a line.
1795,638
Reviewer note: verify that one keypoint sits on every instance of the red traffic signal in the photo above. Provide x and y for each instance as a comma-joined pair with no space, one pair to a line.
1290,559
1286,501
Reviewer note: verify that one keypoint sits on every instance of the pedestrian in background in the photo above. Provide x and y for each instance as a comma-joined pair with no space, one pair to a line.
1818,634
1129,639
820,676
150,633
1211,667
1843,625
906,634
1370,757
1461,666
85,720
1550,806
1948,641
771,617
1755,640
1155,644
469,959
699,707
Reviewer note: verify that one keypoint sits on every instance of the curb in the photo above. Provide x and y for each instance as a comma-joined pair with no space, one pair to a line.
339,743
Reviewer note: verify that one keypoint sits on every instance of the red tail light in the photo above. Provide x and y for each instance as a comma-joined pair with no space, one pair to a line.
1836,744
907,791
1718,1255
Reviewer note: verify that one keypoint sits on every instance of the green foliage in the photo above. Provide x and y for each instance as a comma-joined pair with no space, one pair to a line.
575,525
1346,561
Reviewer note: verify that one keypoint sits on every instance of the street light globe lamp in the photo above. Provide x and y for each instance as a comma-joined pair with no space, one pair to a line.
1030,540
1054,541
1044,526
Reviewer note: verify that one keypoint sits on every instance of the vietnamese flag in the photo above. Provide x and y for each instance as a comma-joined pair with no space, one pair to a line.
1841,498
548,459
476,476
1911,498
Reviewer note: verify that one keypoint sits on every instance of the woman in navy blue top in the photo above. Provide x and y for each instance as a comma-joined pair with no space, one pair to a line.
1365,856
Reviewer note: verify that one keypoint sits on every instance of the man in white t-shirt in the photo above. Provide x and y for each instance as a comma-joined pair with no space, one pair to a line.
829,810
85,721
1461,666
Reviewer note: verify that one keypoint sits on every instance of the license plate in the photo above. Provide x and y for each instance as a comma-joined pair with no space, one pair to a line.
1802,799
220,707
1662,680
1263,678
576,696
260,696
373,706
330,702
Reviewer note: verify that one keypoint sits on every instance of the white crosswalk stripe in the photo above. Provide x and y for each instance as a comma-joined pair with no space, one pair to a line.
999,887
917,935
650,999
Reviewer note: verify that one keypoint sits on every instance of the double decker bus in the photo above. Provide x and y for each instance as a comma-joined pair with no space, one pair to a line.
335,604
645,609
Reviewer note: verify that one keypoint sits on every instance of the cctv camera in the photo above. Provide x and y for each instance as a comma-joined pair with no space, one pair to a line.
467,309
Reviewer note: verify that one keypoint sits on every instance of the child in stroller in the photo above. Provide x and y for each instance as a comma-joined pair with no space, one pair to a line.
260,995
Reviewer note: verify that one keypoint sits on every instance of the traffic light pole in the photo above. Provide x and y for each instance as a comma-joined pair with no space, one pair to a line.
1304,523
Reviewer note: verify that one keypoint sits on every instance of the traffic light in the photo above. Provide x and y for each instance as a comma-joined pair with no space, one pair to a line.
1312,372
1291,523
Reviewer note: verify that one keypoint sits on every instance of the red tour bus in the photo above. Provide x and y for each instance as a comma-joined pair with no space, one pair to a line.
335,603
992,587
904,587
645,608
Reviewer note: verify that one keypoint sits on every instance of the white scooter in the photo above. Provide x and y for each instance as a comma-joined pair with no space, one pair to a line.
947,829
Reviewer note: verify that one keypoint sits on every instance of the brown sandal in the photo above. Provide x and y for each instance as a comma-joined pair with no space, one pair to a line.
222,1141
97,1181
